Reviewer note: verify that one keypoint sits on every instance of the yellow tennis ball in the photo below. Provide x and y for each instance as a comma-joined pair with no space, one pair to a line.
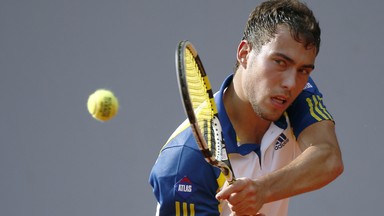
103,105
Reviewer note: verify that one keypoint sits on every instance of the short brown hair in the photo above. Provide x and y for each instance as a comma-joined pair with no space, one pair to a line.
264,19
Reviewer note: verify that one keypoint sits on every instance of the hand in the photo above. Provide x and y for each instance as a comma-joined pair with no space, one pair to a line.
244,196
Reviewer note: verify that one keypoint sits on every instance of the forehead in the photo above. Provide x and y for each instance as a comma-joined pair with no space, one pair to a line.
284,43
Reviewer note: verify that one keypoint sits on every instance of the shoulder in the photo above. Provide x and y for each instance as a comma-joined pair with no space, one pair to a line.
182,137
179,156
308,108
181,175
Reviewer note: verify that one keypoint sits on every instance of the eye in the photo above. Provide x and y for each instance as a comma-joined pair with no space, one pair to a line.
280,62
305,71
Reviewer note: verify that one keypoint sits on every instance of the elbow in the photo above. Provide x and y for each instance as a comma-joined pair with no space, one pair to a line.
338,168
335,165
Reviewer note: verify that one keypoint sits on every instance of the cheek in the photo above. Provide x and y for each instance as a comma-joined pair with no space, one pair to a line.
249,88
256,81
255,87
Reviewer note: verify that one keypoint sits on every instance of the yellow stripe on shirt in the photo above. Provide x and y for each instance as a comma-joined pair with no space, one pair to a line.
185,210
317,102
177,208
317,110
323,108
192,209
311,110
182,209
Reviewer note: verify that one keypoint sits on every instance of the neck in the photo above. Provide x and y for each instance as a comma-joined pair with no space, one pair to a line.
249,127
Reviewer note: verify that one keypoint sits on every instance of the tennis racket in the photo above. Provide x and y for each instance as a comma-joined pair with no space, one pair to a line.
200,107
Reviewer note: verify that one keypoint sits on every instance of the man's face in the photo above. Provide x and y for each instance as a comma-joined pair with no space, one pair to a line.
276,75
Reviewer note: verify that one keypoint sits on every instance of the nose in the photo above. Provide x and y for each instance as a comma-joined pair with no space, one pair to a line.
289,79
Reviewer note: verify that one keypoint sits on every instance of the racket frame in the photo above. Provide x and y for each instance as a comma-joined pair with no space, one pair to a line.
225,167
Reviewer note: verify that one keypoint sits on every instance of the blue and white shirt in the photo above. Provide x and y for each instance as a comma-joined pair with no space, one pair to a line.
185,184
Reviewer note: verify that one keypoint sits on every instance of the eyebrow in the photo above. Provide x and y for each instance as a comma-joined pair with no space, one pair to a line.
311,66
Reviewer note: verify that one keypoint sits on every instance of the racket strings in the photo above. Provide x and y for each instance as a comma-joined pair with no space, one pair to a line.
201,109
201,100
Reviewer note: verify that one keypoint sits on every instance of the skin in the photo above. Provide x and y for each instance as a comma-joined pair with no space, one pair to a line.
264,86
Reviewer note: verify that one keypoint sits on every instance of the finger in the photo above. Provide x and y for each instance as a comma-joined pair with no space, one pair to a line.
226,192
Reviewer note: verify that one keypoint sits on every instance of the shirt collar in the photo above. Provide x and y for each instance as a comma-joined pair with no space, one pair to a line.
229,133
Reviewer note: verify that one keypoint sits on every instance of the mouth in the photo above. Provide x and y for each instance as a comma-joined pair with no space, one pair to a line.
279,100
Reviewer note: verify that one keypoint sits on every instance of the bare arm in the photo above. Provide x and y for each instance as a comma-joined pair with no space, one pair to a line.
319,164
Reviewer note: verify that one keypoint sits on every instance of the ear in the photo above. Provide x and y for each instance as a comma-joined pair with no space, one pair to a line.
242,53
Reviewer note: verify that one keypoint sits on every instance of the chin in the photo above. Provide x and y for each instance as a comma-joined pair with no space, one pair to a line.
268,116
271,118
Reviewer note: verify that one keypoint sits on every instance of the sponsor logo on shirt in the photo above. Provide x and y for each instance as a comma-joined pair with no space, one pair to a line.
307,86
184,187
281,141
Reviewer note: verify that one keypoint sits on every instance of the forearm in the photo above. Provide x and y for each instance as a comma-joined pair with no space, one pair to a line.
314,168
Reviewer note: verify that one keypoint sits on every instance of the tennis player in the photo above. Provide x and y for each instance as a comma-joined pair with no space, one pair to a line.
279,135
